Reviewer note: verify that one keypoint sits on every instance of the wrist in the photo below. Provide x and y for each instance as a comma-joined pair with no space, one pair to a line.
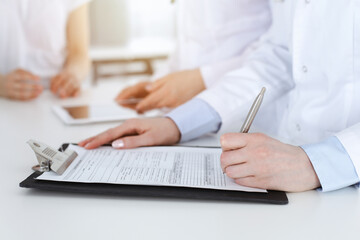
72,74
77,66
176,135
197,78
2,86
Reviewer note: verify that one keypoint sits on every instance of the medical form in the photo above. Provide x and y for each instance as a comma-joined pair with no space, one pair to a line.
156,166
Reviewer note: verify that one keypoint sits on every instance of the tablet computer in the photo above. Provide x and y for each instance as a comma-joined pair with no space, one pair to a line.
93,113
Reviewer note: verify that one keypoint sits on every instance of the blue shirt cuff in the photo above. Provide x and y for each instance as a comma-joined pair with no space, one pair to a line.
195,118
332,164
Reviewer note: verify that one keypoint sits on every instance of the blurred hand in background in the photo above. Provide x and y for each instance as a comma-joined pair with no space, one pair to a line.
170,91
66,84
20,85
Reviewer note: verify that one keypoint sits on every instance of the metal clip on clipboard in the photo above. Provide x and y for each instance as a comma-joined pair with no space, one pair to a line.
51,159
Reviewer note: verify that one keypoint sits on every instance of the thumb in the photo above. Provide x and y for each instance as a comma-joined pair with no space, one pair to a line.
150,102
125,94
133,142
136,91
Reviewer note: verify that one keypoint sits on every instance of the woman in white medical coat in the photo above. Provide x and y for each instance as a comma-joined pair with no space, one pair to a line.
310,63
212,37
43,44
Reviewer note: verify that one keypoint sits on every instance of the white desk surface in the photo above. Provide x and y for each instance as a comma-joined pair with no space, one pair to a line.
30,214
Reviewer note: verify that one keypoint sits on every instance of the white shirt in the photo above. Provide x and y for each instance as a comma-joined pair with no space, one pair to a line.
310,63
214,34
33,35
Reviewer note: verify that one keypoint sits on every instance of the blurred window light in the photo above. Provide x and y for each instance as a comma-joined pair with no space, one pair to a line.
155,18
119,22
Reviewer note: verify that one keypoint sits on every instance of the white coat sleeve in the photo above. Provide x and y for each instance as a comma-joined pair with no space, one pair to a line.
212,73
269,66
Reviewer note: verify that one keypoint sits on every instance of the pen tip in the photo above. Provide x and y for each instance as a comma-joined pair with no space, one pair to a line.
263,90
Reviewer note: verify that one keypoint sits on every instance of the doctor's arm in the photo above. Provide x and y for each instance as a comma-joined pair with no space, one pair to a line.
169,91
179,87
68,82
175,89
269,65
256,160
169,87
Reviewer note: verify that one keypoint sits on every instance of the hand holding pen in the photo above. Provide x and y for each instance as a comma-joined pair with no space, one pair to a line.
257,160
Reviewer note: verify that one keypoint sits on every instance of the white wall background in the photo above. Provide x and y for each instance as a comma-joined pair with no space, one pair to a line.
116,22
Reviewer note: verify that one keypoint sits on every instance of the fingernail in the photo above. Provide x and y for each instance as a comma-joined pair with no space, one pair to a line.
138,109
87,145
118,144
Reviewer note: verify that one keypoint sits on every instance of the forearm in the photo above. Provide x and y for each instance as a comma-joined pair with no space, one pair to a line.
77,64
77,61
193,83
2,87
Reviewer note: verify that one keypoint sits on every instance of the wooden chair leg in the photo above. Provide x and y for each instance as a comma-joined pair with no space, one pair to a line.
95,77
149,68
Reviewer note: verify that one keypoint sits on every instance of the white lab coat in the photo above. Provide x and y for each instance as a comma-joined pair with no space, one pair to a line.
33,35
310,63
213,35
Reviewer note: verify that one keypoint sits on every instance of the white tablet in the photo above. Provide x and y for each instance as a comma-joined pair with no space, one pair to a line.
84,114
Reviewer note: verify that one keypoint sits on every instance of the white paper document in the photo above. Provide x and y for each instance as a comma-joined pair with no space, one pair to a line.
157,166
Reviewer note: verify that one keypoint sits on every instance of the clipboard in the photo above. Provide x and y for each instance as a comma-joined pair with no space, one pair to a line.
272,197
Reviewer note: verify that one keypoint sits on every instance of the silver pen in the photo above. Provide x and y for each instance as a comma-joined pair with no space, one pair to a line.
253,111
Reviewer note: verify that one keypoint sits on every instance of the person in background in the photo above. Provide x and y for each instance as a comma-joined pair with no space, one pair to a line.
43,44
309,61
212,39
